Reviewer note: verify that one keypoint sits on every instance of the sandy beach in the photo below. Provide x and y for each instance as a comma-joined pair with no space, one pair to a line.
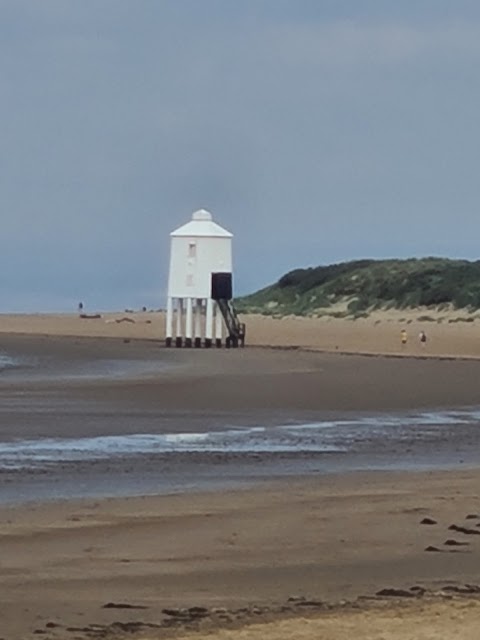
247,555
450,333
292,552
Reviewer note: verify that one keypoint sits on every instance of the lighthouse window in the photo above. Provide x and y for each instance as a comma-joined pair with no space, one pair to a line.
190,280
192,250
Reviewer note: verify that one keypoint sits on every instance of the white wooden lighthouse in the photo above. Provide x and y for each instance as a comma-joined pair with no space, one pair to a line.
200,285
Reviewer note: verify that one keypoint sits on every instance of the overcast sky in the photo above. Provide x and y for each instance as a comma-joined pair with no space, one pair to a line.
314,130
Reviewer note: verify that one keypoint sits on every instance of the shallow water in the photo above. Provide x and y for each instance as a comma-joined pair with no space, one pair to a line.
31,368
7,362
146,463
56,444
327,436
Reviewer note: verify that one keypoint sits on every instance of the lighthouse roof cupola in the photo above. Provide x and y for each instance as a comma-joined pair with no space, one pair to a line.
202,214
201,225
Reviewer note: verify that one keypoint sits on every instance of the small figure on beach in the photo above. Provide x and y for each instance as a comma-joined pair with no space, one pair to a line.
80,308
403,337
422,336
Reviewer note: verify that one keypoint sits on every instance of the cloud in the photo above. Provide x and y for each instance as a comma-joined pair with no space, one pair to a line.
309,129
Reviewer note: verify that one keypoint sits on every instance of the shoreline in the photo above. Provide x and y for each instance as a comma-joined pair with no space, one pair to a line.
160,342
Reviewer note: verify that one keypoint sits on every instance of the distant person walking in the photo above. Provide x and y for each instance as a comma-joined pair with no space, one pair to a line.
403,337
80,308
422,336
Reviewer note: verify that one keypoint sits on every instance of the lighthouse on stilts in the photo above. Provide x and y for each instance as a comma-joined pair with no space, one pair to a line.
199,303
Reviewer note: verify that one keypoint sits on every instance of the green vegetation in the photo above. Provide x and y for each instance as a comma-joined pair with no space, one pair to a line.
355,288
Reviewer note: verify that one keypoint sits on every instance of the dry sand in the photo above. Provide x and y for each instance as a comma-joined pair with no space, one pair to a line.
432,621
329,538
450,333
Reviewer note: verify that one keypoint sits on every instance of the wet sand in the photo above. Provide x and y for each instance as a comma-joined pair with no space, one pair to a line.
83,388
326,537
257,553
256,379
